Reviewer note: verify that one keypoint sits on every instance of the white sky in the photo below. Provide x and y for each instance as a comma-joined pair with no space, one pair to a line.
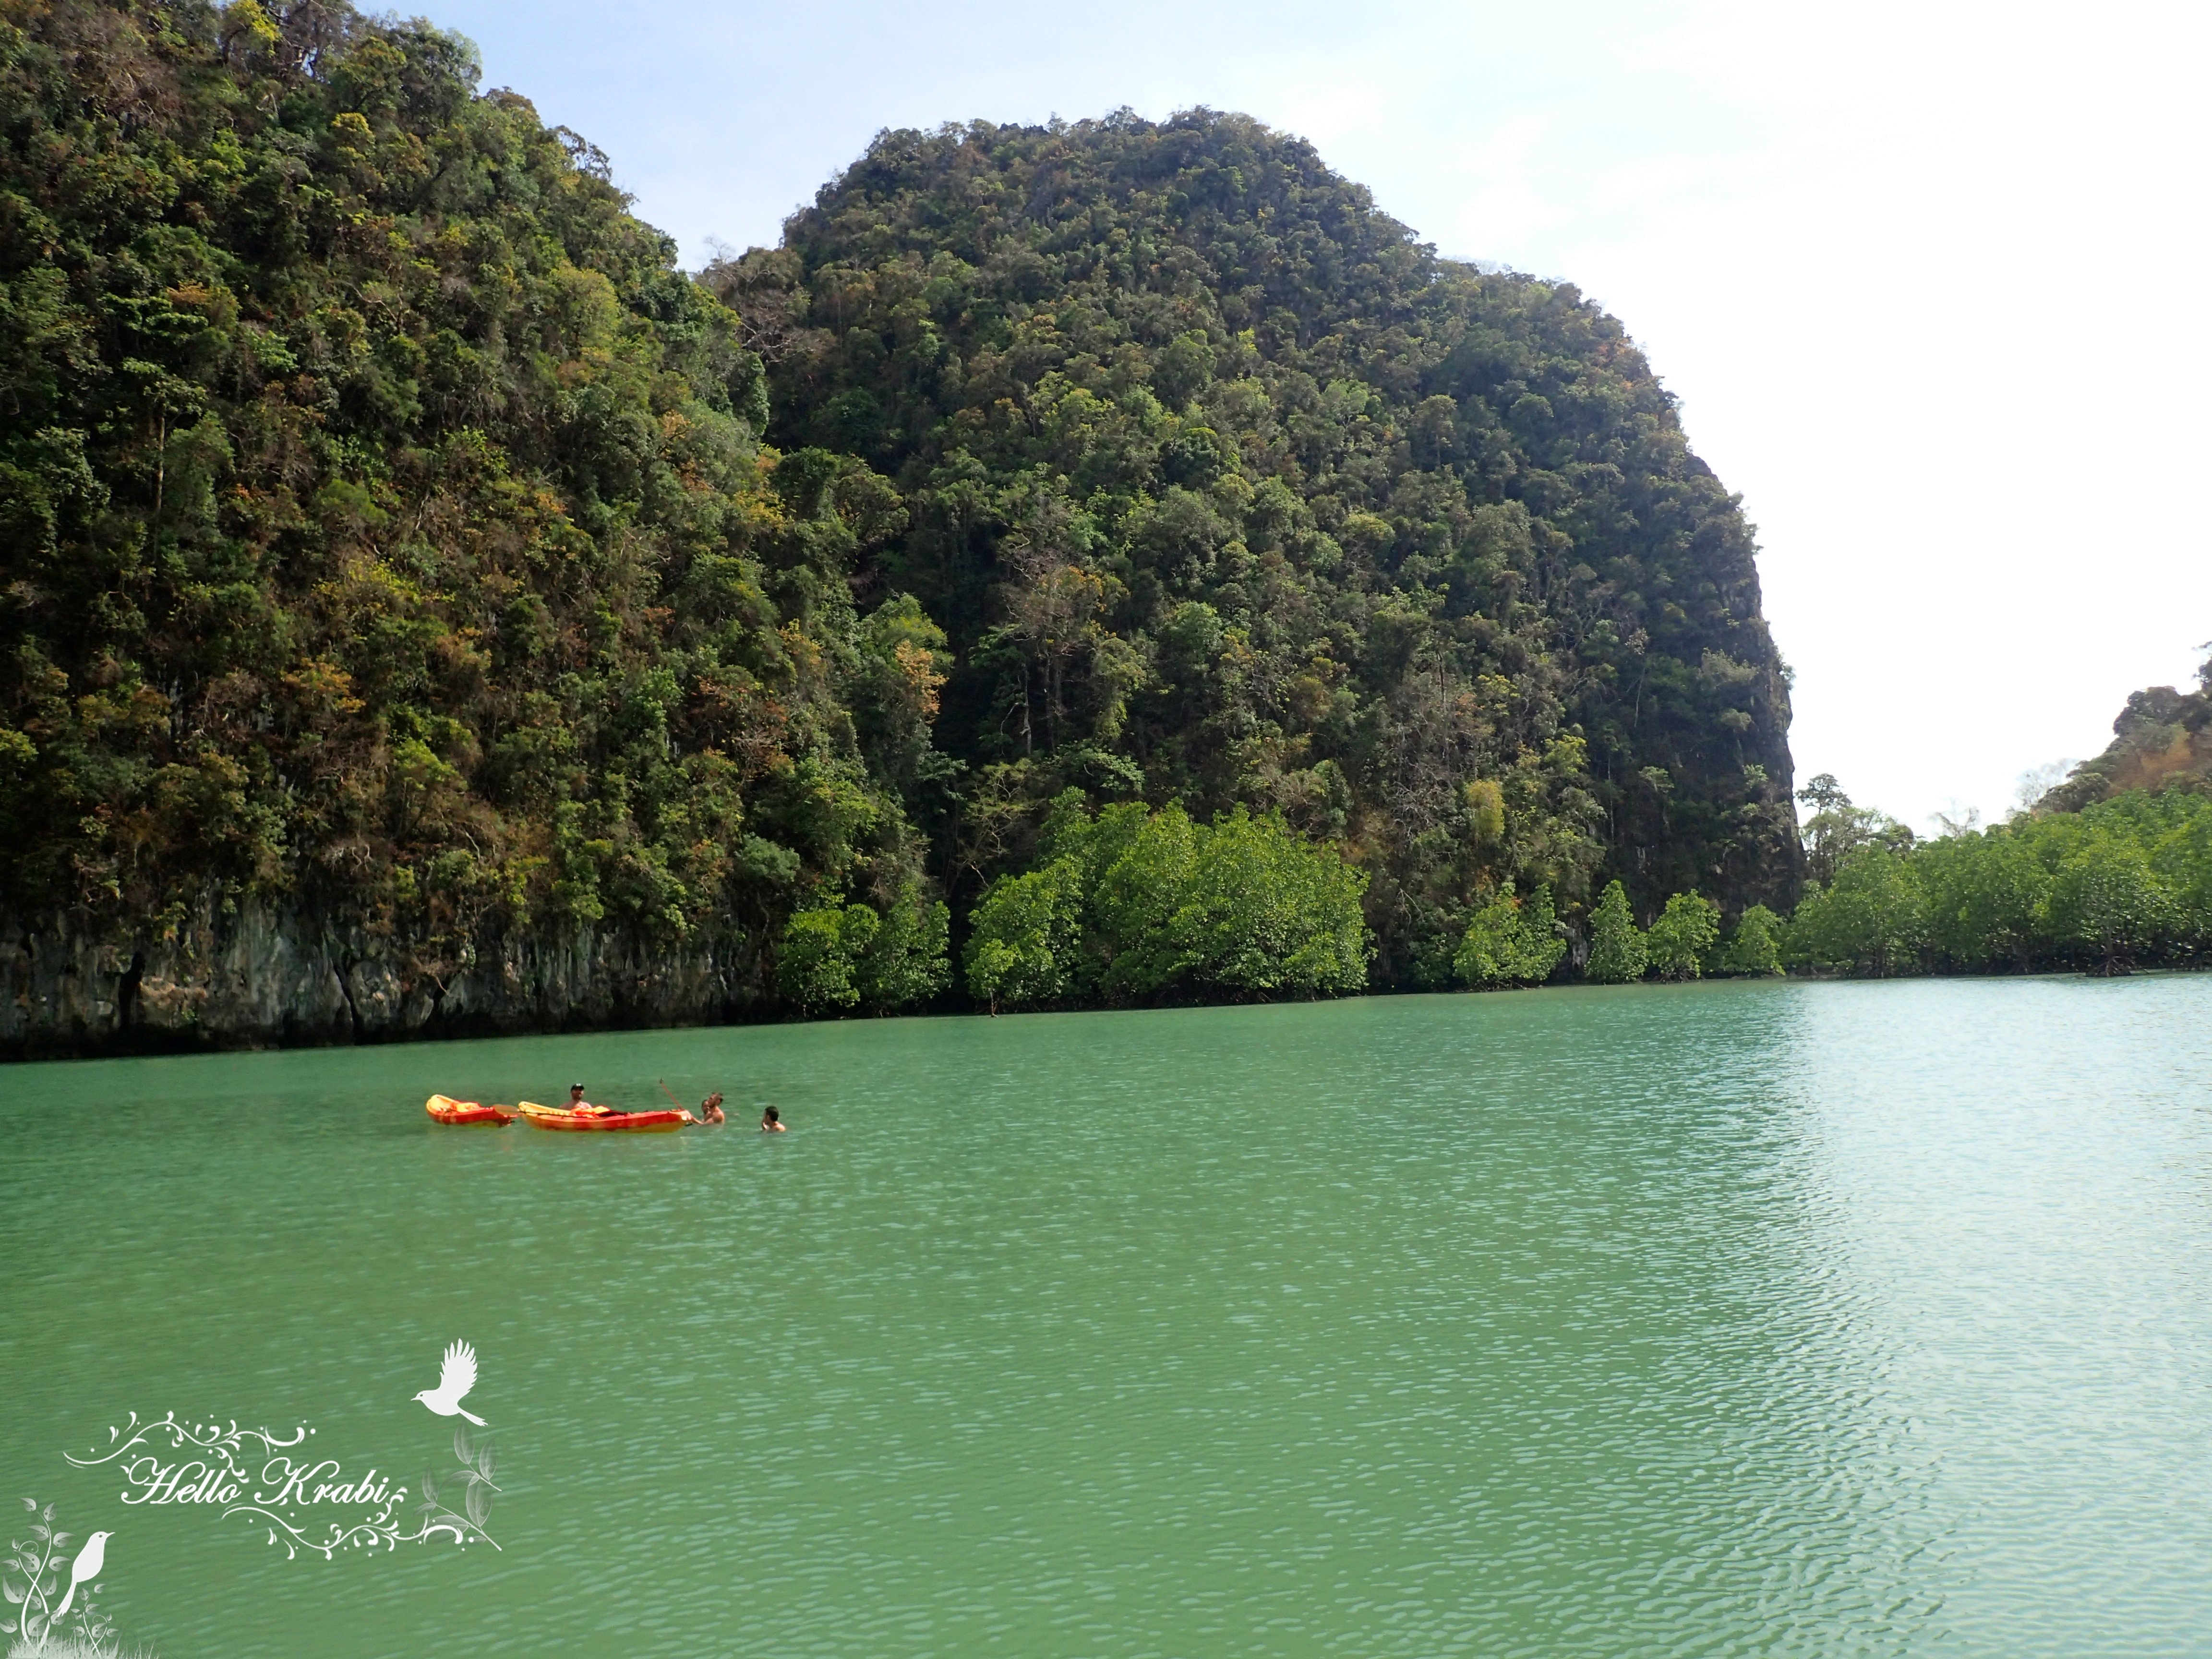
1928,277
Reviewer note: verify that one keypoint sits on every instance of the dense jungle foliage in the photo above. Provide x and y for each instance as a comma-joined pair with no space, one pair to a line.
1226,491
387,528
1131,903
391,529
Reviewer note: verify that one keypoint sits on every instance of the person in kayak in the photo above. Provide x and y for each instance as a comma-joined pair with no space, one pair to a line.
584,1108
710,1109
771,1124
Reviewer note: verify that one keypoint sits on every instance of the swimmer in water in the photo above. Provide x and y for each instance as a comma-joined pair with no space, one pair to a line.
771,1124
710,1109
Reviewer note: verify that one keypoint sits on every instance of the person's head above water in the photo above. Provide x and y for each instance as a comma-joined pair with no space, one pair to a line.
768,1115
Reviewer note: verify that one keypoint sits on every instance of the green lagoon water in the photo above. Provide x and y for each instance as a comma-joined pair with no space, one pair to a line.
1725,1319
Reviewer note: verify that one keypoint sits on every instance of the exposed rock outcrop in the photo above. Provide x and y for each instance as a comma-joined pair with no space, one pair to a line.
2162,737
253,977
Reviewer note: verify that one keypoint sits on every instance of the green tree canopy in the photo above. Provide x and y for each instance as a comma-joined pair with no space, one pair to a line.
1132,904
1510,941
1683,936
1754,949
2125,882
1617,952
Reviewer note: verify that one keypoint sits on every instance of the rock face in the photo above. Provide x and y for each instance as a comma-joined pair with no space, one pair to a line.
2162,737
257,977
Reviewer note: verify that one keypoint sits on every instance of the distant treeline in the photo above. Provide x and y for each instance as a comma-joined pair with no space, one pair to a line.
2121,885
2124,883
2108,871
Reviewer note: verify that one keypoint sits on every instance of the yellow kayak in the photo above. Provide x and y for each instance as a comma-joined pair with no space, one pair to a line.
444,1108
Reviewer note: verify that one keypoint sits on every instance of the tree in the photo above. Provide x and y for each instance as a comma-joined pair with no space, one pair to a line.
1147,861
905,964
1025,936
2030,787
1267,912
1985,893
1132,904
2181,854
1683,936
1755,948
823,946
2106,897
1873,919
1617,951
1510,942
1838,828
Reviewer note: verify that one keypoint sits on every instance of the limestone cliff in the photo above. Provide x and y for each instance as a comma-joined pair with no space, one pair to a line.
255,976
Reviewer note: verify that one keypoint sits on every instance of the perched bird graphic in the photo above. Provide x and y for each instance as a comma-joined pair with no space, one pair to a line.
455,1379
89,1560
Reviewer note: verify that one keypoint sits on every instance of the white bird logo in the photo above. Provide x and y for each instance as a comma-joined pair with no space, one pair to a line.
455,1379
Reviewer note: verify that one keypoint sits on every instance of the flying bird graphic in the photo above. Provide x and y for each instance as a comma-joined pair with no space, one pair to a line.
455,1379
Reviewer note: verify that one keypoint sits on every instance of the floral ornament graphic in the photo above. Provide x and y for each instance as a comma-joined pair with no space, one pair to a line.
226,1445
39,1562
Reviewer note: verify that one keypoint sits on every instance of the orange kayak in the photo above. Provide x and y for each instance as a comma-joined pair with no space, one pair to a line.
548,1117
445,1109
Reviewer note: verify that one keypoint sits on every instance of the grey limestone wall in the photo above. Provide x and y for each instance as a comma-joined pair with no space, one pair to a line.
253,976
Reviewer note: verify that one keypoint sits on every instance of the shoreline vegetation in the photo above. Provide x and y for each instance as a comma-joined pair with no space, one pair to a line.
2122,883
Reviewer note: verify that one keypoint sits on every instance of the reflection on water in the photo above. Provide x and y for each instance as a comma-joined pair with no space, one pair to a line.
1712,1319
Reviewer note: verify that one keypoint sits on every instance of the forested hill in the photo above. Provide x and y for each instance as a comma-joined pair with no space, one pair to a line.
422,606
1227,489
